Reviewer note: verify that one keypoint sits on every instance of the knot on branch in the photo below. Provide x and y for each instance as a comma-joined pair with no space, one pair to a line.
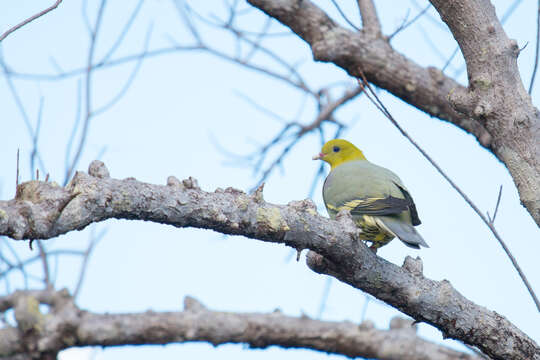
27,314
193,305
173,181
306,205
398,322
191,183
460,100
366,325
98,169
437,75
414,266
320,264
41,203
257,195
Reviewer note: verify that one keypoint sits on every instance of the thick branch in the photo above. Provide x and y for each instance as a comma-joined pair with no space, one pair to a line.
496,96
43,210
69,326
425,88
496,109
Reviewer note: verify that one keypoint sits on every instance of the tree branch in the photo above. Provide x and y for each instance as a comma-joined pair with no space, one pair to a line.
30,19
370,20
425,88
496,96
496,109
44,210
71,326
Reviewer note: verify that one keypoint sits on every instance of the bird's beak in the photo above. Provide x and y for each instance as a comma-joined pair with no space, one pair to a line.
319,156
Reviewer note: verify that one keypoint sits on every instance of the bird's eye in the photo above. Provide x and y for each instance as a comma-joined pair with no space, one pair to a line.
336,148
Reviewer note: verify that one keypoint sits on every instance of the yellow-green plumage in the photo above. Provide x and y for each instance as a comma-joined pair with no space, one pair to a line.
376,198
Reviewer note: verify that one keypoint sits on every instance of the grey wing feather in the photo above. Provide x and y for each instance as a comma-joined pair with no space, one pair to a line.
403,231
383,206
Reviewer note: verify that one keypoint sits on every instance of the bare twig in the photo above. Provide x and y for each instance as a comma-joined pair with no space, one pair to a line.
130,79
510,11
19,265
345,16
326,113
35,138
447,63
101,65
17,174
492,220
44,263
21,108
75,125
88,115
22,264
325,295
406,23
378,103
124,32
30,19
94,239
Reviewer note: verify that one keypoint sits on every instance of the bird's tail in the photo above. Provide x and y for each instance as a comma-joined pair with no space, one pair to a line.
405,232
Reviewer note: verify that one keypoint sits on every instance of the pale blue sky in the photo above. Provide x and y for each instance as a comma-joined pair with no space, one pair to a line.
165,125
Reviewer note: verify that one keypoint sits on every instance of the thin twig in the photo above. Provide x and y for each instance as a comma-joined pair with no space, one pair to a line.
447,63
325,114
17,175
364,308
510,11
492,220
94,239
345,16
21,108
372,96
78,111
21,265
406,24
30,19
44,263
88,115
124,32
324,297
35,138
129,81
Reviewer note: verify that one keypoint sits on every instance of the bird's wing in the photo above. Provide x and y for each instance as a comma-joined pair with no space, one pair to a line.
373,206
412,207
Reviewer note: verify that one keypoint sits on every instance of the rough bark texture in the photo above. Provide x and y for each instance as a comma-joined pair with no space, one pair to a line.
496,96
70,326
495,108
43,210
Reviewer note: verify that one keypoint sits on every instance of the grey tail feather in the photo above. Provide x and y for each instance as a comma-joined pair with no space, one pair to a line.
405,232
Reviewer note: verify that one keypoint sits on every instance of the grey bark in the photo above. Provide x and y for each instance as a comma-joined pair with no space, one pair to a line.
71,326
495,107
43,210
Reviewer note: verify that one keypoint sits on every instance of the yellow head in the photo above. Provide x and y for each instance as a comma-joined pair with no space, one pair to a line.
337,151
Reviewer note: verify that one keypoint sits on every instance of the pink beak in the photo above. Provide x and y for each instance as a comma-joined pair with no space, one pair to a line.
319,156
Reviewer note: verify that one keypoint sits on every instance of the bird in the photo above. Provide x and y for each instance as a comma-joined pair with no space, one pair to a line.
379,203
